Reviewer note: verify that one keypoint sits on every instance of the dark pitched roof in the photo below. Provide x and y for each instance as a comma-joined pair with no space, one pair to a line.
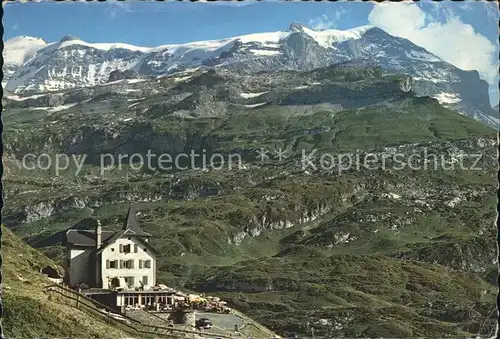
131,223
86,238
85,224
83,233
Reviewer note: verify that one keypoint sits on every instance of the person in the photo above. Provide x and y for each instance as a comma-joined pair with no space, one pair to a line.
141,288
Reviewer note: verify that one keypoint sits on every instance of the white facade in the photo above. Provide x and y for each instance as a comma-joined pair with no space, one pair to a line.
130,259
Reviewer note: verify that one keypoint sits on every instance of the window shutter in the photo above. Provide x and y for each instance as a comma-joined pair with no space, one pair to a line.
121,248
121,263
140,263
107,263
135,248
131,264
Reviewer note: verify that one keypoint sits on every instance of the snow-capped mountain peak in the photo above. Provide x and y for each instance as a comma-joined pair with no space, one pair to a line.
20,49
328,37
17,51
32,65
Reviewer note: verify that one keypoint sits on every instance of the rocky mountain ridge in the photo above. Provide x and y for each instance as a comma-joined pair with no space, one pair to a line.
72,63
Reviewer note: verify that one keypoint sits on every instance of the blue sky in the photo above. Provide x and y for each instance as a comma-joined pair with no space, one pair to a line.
442,28
156,23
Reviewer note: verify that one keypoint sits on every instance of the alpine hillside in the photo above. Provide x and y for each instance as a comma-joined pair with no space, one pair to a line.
382,250
29,312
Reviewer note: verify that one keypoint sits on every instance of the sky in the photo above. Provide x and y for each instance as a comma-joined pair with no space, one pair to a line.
464,34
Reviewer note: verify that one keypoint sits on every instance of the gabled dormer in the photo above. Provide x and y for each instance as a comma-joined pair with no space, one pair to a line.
130,228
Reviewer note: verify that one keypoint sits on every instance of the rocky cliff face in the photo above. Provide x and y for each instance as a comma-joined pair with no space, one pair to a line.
211,94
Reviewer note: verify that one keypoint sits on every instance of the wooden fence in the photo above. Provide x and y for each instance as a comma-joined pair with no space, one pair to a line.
119,319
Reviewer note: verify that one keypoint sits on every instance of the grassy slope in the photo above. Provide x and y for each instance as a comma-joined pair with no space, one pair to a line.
28,310
374,295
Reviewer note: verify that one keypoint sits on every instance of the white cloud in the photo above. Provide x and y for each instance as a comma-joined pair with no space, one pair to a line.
114,7
453,41
321,22
326,22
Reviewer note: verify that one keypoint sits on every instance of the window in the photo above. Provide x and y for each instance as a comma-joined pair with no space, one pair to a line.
145,280
130,282
112,264
144,263
125,248
131,299
135,248
145,249
115,282
112,249
126,264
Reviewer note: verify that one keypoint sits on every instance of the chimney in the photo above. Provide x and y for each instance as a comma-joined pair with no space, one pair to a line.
98,233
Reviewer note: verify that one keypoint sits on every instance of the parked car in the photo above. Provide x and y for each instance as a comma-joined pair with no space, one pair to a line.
204,323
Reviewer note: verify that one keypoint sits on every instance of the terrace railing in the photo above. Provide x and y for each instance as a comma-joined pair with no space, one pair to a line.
120,319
